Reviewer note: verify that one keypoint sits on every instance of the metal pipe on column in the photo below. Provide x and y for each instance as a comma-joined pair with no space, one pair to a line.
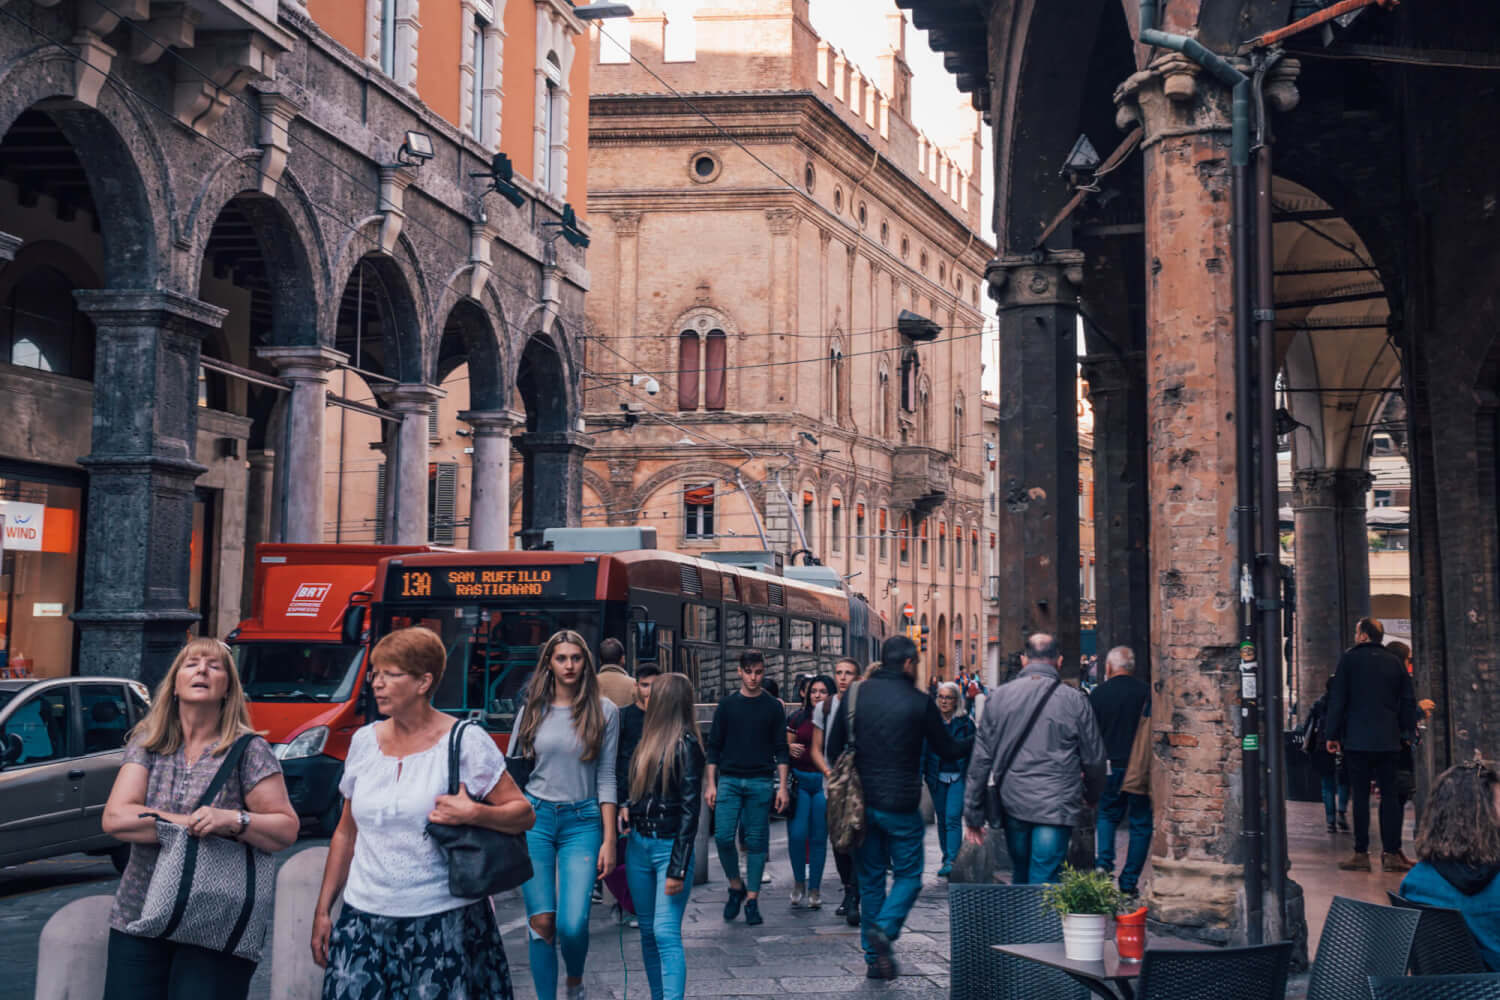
1270,602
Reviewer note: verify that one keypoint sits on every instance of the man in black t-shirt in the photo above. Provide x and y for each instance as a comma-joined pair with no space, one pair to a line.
747,745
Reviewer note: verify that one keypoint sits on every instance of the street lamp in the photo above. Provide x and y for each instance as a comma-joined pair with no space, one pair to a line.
600,11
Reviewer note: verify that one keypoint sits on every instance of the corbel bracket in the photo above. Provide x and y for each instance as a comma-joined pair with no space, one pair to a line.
394,180
276,114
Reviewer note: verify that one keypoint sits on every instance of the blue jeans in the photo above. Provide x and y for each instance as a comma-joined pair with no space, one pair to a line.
807,832
1333,792
646,860
744,802
1114,806
564,846
1037,850
948,804
893,841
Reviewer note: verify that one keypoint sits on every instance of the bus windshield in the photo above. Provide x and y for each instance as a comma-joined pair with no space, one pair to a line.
298,671
492,651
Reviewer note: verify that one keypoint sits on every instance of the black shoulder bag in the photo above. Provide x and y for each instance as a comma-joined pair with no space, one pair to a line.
994,808
481,861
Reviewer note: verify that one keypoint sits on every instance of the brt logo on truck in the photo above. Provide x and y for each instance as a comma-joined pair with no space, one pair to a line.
308,600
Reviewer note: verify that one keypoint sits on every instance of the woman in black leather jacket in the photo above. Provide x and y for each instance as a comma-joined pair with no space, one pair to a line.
666,781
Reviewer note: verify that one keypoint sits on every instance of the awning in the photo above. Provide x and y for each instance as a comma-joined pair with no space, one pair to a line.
699,496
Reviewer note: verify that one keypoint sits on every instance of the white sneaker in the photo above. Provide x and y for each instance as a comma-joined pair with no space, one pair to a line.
815,900
797,896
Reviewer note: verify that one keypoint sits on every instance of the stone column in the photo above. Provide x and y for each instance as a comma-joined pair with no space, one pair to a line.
1038,451
1350,489
260,474
406,486
135,612
489,497
551,481
1197,854
1117,391
307,369
1319,626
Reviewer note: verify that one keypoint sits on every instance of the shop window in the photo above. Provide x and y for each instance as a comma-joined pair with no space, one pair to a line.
39,576
698,511
42,327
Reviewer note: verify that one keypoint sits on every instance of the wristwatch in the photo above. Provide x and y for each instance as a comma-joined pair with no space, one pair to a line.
244,824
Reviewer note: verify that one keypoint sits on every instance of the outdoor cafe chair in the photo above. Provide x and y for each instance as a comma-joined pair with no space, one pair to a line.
1257,972
1470,987
1360,940
980,916
1444,945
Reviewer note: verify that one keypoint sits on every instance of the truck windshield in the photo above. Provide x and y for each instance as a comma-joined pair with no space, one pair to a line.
492,651
298,671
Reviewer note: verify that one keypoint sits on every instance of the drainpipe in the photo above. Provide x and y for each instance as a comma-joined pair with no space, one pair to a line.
1250,679
1270,528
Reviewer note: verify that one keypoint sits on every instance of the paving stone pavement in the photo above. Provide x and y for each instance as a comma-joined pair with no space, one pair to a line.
794,951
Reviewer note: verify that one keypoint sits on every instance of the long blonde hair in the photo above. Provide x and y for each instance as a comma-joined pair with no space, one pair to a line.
588,710
161,730
670,715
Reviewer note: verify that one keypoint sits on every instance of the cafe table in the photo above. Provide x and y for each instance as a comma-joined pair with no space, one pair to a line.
1111,979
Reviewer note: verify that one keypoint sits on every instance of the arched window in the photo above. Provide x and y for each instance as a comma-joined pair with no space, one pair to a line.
924,412
905,539
43,329
958,432
809,514
687,370
835,381
710,368
883,404
836,525
942,543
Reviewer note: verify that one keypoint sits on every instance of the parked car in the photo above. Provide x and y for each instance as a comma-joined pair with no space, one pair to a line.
61,743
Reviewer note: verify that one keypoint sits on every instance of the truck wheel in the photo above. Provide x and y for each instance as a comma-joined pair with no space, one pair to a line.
120,857
329,821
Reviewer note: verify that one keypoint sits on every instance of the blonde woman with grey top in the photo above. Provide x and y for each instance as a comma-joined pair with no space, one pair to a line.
571,734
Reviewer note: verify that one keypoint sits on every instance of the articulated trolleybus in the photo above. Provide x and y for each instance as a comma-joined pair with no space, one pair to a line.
495,610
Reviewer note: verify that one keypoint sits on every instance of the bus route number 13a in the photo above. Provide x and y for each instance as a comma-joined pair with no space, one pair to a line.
416,584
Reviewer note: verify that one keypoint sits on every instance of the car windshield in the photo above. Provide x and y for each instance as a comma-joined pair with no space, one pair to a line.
298,671
492,651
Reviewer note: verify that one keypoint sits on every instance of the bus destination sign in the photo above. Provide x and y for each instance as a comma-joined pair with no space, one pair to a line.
461,583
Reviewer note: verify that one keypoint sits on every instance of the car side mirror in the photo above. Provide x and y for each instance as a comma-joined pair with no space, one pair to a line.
647,649
12,751
353,630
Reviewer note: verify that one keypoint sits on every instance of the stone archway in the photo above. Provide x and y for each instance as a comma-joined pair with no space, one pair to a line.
470,370
552,448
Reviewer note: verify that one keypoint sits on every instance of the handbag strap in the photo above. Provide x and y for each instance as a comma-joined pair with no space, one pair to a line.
231,764
455,741
1010,758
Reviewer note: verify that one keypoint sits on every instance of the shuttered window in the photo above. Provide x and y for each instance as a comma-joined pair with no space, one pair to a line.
442,502
380,507
432,421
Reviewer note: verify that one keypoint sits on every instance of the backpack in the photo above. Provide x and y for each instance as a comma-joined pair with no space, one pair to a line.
845,794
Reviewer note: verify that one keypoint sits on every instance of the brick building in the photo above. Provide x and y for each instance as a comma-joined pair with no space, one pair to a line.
217,213
758,241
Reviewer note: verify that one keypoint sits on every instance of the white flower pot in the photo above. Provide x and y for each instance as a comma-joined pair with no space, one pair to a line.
1083,936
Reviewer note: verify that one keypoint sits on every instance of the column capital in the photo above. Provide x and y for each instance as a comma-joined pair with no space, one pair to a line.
1109,374
532,442
1313,489
1350,487
781,220
1050,277
149,307
410,397
303,364
492,423
1175,96
626,223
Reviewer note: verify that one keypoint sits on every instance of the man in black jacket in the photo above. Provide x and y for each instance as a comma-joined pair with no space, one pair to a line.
1372,710
891,720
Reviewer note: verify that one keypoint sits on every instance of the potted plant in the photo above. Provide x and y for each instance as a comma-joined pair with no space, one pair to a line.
1085,900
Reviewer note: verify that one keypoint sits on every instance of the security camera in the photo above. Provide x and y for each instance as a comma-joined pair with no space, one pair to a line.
646,382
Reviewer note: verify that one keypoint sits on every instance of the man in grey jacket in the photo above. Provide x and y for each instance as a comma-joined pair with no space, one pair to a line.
1059,767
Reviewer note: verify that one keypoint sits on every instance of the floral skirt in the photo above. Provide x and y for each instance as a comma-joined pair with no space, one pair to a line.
455,954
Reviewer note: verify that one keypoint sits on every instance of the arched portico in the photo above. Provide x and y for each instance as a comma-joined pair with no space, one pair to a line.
552,449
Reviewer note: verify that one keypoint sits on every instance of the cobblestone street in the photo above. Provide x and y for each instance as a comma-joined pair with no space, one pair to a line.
794,952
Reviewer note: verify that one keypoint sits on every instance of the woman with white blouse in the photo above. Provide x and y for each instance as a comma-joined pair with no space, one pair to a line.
570,734
401,932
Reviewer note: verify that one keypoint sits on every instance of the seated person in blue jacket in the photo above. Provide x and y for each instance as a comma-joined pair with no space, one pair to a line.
1458,852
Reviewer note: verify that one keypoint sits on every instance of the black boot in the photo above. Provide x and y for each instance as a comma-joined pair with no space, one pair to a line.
844,906
851,917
